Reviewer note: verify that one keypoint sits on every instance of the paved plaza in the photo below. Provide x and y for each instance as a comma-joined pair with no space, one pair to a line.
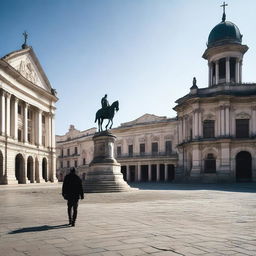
158,220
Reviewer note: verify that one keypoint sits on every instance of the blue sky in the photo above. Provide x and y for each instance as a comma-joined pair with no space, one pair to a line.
143,53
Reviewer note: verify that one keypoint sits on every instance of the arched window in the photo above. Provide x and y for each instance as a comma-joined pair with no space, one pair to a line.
210,164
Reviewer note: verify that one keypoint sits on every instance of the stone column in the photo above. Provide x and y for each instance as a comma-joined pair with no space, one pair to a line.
25,135
139,172
217,72
200,133
53,131
180,130
39,127
165,172
127,173
227,132
3,94
158,172
222,121
254,121
196,117
227,70
237,70
149,173
240,71
210,74
15,124
50,133
8,114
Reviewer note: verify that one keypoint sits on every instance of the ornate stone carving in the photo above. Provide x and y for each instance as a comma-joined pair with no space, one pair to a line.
155,138
243,115
27,70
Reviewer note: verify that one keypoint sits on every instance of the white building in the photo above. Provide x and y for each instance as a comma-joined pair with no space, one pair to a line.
145,148
27,116
213,138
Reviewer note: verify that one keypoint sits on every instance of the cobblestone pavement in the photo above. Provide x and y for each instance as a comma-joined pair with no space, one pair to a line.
158,220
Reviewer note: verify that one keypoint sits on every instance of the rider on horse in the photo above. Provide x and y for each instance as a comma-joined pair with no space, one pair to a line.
104,102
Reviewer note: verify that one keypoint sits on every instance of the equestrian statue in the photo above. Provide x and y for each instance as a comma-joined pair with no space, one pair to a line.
106,112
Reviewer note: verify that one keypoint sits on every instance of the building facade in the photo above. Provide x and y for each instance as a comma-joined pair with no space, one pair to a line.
27,120
213,137
217,125
145,148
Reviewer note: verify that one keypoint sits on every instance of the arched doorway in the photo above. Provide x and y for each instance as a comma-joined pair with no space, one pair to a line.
243,166
20,169
30,169
44,169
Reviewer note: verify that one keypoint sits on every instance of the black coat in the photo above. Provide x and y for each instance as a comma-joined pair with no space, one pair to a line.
72,188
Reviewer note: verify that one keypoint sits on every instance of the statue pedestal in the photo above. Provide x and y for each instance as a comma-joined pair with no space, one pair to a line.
104,174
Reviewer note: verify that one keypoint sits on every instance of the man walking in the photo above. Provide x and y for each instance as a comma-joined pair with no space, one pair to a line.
72,190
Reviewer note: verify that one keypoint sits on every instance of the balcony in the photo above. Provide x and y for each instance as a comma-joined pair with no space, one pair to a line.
69,156
148,155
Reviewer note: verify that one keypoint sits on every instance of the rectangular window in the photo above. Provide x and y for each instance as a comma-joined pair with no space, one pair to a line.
242,128
208,129
29,114
75,163
119,150
168,147
19,135
68,152
154,148
19,109
43,119
142,149
62,154
29,137
75,150
68,164
84,161
130,150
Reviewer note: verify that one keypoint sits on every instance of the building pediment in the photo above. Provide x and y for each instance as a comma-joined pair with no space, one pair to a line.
147,118
26,63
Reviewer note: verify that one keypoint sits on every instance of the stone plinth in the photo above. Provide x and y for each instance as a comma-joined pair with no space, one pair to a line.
104,173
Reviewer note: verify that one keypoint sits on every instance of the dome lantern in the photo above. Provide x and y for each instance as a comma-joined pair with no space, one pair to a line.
225,53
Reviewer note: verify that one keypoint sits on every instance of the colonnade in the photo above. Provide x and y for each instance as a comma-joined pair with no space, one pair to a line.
153,172
16,124
215,79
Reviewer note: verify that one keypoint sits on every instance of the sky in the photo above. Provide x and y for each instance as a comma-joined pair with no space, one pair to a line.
143,53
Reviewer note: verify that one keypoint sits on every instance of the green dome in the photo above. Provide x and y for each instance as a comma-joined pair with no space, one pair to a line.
225,32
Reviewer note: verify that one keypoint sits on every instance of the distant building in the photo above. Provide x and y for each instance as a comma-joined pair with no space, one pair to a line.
145,148
213,138
27,116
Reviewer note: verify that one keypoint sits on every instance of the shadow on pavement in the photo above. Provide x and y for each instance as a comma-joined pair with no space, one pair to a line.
38,228
249,187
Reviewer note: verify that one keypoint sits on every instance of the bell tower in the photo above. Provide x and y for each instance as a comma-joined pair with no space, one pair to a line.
225,53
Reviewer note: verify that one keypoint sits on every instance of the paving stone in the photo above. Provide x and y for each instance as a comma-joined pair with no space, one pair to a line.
180,220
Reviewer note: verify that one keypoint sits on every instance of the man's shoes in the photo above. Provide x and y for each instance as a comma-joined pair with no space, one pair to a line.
70,222
73,224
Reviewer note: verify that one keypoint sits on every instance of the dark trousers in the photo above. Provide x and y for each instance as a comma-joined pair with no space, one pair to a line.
72,205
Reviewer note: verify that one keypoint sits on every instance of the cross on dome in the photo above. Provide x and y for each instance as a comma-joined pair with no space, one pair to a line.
224,14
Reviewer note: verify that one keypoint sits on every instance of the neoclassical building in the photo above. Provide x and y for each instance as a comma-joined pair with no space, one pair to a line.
145,148
217,124
213,137
27,116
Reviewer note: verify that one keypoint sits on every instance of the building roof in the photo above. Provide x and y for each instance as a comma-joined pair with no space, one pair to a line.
223,33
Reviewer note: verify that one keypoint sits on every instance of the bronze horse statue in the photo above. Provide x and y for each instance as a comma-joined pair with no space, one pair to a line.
106,113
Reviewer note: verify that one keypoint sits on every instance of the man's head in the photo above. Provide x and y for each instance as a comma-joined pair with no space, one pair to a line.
73,170
105,96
